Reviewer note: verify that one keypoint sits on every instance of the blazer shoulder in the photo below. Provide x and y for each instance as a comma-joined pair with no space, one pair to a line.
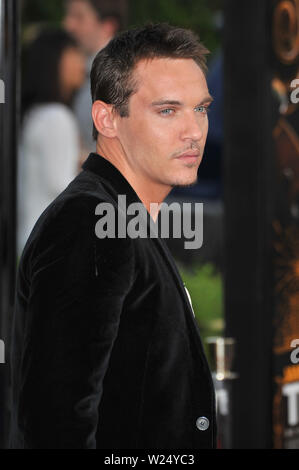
69,222
76,205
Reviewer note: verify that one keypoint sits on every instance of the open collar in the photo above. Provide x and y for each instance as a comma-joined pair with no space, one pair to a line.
116,183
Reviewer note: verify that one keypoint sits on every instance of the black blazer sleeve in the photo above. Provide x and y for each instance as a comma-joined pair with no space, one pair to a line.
78,287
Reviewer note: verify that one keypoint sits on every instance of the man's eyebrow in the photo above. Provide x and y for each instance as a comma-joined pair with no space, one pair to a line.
206,99
162,102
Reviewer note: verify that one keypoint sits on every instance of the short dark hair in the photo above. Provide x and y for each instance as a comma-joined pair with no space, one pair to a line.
113,67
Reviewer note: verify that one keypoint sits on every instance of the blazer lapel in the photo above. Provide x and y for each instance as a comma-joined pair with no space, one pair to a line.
191,320
117,184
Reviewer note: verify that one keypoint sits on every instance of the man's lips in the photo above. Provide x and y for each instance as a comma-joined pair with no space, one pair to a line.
189,156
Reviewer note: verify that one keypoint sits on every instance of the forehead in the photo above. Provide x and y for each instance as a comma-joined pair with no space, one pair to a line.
172,78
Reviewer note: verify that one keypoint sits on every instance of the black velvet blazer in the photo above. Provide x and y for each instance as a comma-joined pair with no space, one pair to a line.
105,349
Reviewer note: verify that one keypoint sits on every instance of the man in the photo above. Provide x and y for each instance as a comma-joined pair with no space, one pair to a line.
93,23
106,351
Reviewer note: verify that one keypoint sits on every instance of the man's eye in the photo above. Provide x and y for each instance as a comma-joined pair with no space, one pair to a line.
166,112
202,109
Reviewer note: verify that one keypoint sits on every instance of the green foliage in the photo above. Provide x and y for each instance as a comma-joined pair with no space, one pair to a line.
195,14
41,11
206,290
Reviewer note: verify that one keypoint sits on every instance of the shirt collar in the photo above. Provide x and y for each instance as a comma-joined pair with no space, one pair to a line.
114,181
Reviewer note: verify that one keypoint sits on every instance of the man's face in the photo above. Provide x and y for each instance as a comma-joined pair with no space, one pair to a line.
83,23
164,136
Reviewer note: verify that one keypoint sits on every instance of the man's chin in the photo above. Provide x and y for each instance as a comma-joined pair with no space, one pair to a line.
185,184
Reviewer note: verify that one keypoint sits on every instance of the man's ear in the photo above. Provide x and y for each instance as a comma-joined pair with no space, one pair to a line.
103,118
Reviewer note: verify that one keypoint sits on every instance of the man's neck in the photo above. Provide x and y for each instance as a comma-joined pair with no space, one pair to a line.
151,193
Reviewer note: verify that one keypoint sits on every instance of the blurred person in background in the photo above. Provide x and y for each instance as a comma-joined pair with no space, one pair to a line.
50,139
93,23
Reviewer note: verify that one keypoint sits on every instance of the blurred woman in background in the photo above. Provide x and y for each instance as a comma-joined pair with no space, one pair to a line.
50,144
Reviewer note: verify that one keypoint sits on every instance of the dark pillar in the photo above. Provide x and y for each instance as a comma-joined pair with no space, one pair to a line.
9,63
248,181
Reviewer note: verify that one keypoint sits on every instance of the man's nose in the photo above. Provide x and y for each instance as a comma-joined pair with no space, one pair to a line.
193,128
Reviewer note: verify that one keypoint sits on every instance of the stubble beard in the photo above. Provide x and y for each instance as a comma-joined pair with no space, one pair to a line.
182,184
